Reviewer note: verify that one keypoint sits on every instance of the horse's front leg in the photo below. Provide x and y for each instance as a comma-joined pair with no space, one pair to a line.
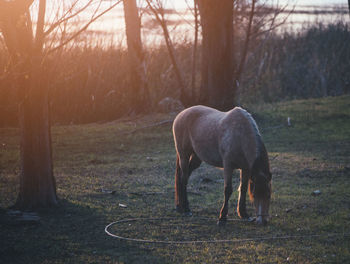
241,205
227,193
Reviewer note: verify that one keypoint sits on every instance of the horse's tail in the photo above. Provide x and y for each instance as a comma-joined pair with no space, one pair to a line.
177,180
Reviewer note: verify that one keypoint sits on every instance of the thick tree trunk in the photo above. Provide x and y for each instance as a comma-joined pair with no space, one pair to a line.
37,183
138,92
194,94
217,87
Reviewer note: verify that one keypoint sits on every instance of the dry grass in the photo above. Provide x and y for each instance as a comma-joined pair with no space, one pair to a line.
312,154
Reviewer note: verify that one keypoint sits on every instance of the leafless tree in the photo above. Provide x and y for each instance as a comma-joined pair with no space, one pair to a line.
193,94
138,89
241,65
217,87
226,49
157,9
29,71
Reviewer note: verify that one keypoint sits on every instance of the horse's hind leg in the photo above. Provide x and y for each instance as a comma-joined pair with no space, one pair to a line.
195,162
227,192
184,167
241,205
181,179
178,185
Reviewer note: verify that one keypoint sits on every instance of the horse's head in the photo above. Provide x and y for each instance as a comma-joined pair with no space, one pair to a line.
260,194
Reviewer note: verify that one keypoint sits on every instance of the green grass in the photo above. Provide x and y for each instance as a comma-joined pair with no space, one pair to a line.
312,154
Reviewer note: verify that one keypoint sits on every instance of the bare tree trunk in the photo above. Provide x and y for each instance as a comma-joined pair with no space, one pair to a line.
217,87
29,77
246,44
193,94
37,182
137,73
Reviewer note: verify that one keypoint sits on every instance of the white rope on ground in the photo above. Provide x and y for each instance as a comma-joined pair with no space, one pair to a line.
176,242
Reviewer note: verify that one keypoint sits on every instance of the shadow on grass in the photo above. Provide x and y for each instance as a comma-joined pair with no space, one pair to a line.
70,233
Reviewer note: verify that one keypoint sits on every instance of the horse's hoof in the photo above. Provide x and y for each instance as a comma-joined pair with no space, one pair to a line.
178,209
261,222
244,215
251,219
221,222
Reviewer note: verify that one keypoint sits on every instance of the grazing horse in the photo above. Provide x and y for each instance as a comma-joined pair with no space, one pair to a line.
228,140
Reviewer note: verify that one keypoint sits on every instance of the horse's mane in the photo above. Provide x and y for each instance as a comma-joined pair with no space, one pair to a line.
260,174
258,184
255,128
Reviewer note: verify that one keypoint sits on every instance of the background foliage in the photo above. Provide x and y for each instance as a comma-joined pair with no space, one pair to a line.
89,82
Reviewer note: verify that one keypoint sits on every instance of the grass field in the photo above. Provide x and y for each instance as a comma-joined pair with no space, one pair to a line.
130,162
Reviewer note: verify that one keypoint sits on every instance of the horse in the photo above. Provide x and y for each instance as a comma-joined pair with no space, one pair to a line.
229,140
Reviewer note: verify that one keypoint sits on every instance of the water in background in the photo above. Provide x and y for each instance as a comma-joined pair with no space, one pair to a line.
110,28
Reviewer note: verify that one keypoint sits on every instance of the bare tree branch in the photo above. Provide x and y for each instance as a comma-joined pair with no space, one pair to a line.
271,21
65,18
158,12
246,43
93,19
194,54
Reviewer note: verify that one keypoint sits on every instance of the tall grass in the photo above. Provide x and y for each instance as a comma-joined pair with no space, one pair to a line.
313,63
89,84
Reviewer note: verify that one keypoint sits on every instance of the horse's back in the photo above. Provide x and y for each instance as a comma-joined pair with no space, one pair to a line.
195,112
216,136
196,117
